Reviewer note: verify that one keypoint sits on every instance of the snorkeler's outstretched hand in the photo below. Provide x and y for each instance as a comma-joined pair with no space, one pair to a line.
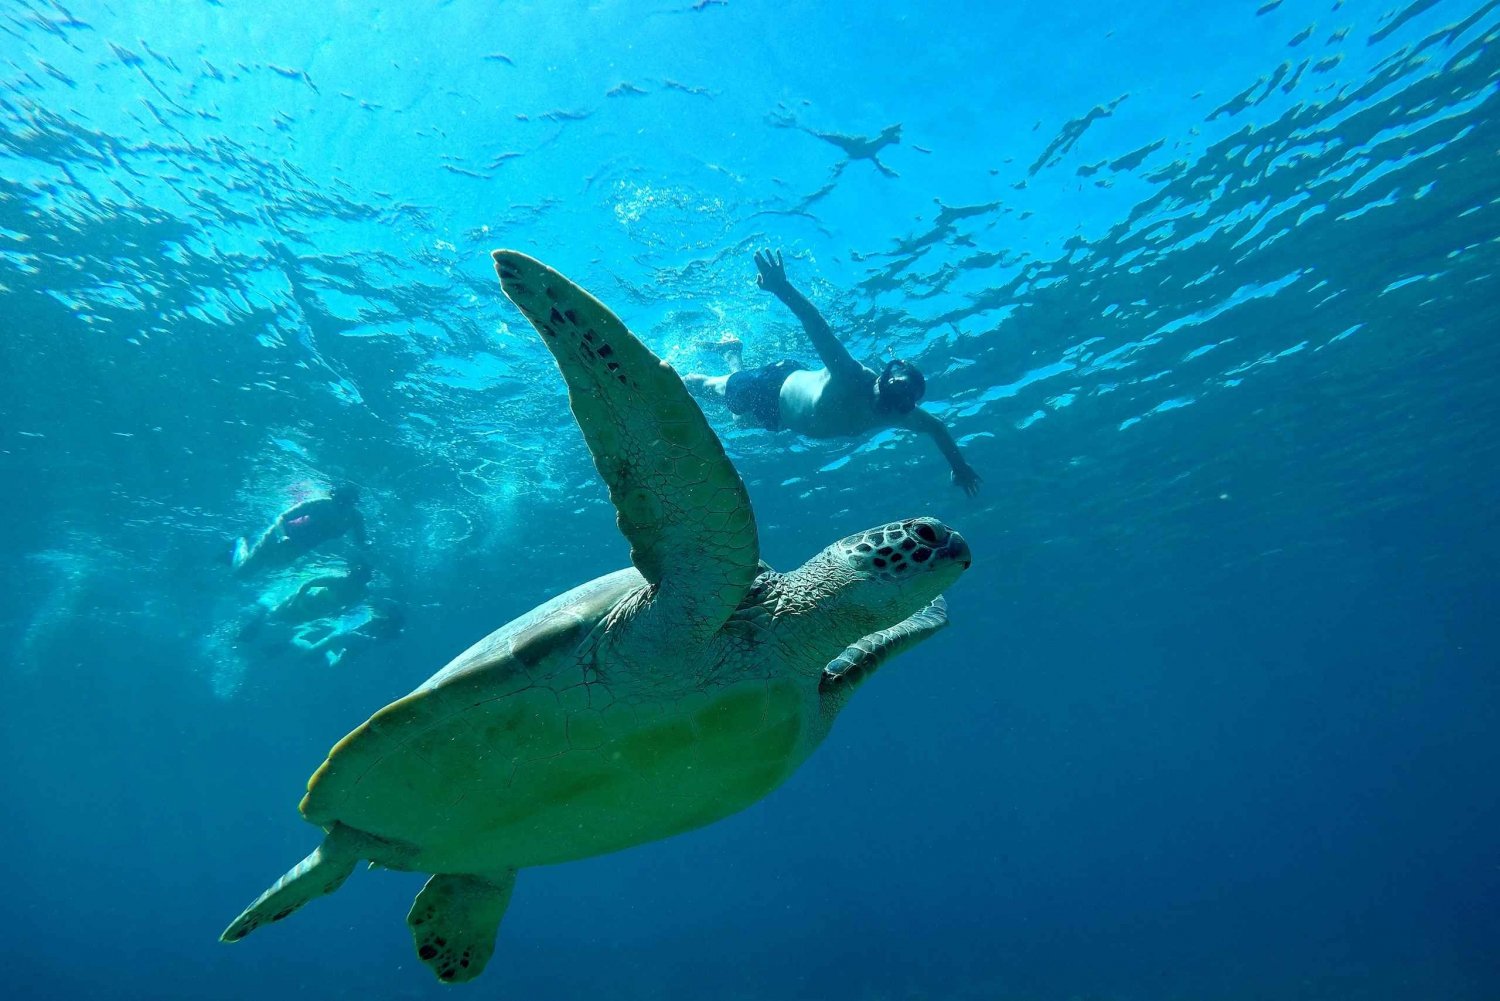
772,276
966,479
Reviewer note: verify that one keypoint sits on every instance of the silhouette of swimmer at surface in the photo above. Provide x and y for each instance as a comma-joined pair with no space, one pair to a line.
316,597
302,528
325,594
845,399
361,627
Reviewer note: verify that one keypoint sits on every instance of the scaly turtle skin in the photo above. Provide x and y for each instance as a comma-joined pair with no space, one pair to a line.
648,702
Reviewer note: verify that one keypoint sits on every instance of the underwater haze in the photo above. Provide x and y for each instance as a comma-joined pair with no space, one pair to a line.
1208,294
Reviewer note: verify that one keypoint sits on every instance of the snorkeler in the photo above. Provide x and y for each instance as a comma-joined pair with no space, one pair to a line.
302,528
317,597
324,595
363,626
842,400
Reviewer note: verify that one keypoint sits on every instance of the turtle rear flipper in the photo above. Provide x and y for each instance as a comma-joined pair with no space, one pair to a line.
319,874
455,919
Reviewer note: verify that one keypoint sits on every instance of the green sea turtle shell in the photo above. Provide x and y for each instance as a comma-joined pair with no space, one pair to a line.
527,749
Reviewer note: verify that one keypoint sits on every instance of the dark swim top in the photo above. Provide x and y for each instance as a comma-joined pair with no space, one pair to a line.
756,393
303,527
320,521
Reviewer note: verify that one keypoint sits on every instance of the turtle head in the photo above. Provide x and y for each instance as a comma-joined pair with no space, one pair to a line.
896,569
875,579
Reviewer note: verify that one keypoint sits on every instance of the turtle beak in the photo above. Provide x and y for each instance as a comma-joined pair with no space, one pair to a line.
957,549
946,544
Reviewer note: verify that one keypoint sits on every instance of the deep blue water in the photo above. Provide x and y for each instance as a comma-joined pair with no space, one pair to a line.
1207,293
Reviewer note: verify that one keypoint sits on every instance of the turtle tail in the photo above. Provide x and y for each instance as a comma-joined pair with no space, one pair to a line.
320,873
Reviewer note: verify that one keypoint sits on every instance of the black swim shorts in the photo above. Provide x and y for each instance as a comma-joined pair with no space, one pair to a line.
756,393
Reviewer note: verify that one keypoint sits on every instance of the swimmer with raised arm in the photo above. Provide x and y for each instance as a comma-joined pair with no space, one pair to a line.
843,399
302,528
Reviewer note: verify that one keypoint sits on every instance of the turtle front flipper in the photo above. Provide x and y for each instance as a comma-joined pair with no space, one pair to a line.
679,501
860,659
455,919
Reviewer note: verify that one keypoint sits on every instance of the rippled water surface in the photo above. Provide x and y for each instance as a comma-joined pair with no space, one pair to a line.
1206,293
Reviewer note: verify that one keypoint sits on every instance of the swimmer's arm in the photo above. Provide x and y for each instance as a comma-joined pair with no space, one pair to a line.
964,476
300,638
835,356
315,585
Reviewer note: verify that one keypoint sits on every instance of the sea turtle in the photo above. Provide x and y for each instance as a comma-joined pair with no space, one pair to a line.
648,702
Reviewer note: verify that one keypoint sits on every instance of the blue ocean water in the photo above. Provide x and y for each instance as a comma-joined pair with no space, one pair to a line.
1206,293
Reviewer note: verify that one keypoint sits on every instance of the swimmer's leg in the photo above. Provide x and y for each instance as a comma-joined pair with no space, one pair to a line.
734,353
707,386
267,550
730,348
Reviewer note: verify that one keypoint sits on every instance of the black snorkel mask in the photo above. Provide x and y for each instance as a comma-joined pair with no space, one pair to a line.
898,387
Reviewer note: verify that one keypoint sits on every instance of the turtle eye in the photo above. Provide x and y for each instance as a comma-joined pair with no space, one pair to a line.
926,534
